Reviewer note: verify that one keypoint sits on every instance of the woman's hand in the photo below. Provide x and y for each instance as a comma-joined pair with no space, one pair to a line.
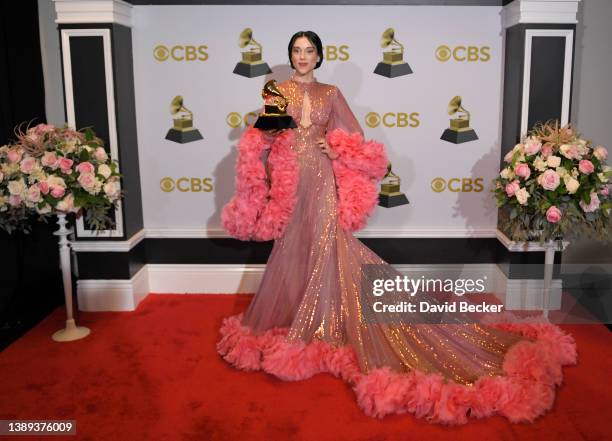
325,148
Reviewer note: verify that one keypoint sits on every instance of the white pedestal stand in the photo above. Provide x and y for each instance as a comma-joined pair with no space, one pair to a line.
71,331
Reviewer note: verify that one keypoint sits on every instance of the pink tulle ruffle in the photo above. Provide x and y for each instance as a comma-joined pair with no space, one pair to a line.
358,168
532,371
258,211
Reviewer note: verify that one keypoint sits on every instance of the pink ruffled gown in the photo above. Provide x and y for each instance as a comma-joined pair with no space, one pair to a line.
306,317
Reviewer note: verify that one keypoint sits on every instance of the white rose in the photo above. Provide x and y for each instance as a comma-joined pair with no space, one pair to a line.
507,173
112,190
104,170
521,196
44,210
562,172
571,184
553,161
16,187
540,164
602,177
56,181
575,172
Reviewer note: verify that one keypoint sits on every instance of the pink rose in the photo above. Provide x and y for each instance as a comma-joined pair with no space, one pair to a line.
508,156
549,180
43,186
522,170
512,187
87,180
553,215
532,146
58,191
547,150
14,155
570,151
15,200
100,154
85,167
605,191
49,159
27,164
585,166
43,128
66,165
591,206
33,194
600,153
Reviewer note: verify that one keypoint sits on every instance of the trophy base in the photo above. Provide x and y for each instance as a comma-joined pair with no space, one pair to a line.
392,70
458,137
183,137
392,200
252,70
266,122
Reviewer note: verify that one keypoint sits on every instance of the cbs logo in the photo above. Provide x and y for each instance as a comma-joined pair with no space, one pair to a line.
181,53
456,185
235,119
186,184
336,53
393,119
463,53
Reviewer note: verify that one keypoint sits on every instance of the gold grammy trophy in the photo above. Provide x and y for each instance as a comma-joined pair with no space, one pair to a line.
252,64
390,194
275,115
459,130
182,130
393,64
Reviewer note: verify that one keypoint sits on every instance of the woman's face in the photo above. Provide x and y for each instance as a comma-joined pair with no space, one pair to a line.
304,56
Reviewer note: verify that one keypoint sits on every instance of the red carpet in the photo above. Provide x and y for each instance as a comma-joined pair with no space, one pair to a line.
154,374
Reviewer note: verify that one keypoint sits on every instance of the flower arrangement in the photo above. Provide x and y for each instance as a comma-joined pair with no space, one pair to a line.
554,184
50,170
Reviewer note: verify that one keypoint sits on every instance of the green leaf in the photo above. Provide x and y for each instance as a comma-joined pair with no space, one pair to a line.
89,134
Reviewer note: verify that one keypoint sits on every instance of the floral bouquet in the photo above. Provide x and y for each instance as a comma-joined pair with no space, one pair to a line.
51,170
555,185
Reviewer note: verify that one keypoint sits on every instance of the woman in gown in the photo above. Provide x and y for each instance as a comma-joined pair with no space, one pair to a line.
307,316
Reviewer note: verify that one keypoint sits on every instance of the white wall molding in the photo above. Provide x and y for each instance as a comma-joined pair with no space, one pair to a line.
93,11
81,246
532,246
539,11
113,295
66,34
568,34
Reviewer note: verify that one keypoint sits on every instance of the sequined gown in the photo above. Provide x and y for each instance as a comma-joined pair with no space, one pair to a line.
310,289
310,284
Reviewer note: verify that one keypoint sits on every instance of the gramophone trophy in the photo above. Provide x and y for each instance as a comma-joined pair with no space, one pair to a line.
275,115
252,65
459,130
390,194
393,64
183,130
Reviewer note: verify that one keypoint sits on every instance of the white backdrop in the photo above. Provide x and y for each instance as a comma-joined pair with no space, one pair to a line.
212,91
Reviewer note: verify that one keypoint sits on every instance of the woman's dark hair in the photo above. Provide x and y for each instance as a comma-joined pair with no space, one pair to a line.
313,38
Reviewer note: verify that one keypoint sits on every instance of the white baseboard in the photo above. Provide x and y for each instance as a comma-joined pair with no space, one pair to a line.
113,295
125,295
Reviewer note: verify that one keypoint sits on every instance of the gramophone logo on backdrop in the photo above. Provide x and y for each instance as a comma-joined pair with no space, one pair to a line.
459,130
390,194
393,64
182,130
252,64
